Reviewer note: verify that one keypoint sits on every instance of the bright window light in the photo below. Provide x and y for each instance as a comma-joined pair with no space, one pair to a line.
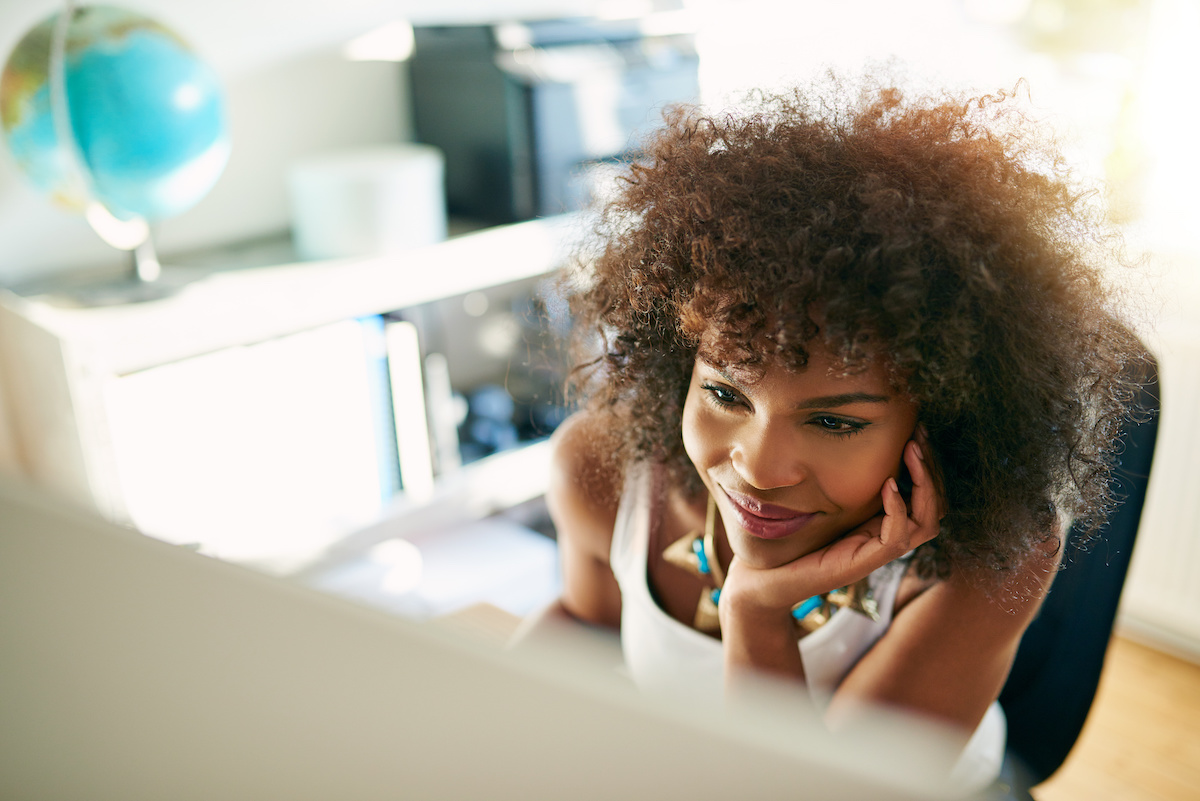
263,454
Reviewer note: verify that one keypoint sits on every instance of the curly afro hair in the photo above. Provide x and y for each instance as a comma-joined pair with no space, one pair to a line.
939,234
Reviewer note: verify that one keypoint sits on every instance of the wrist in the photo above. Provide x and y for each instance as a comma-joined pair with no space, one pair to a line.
757,639
742,610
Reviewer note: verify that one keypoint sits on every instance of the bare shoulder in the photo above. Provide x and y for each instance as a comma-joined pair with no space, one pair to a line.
586,479
1018,594
583,495
951,644
1015,596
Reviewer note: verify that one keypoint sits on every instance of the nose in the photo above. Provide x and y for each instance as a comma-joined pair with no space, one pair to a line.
767,458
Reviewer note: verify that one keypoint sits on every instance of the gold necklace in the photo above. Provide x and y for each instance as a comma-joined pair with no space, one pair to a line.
697,554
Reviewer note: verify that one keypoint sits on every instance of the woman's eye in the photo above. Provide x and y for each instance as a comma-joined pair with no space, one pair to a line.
721,395
838,425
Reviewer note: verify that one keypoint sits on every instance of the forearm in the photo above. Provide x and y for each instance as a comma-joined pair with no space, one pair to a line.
548,622
553,627
758,642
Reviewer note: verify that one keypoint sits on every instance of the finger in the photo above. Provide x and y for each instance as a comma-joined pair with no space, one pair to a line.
931,468
895,513
925,502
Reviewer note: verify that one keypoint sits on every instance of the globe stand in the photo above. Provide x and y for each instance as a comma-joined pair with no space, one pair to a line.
146,267
143,280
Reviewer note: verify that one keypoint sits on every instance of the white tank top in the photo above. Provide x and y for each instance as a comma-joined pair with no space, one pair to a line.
664,656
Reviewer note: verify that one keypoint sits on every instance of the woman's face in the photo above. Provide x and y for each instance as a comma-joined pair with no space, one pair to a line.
793,459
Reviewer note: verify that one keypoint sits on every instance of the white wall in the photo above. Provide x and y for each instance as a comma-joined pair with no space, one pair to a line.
282,111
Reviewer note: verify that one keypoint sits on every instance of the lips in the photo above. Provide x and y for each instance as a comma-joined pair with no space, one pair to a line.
765,520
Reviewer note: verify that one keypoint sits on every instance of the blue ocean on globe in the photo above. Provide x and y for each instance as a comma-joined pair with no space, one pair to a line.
146,116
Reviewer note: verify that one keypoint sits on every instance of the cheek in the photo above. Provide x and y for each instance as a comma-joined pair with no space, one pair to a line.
857,479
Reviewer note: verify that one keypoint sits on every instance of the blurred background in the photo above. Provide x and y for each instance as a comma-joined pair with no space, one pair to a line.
1110,74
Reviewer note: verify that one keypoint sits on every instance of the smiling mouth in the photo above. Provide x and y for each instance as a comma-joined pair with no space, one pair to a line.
765,520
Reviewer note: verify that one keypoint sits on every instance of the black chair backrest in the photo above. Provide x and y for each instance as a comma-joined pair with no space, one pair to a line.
1053,679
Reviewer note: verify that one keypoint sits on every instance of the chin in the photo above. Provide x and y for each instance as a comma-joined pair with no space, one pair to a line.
766,554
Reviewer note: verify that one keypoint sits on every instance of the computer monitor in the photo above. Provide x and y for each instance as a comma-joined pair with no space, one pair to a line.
133,669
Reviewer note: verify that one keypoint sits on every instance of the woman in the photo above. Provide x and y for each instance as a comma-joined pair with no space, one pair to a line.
848,368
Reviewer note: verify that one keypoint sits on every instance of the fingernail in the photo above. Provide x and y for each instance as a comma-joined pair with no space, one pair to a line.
919,451
892,484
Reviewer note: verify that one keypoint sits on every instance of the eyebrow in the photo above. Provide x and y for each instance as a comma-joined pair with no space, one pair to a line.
845,399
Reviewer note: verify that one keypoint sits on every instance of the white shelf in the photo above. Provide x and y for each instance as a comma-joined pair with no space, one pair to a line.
225,309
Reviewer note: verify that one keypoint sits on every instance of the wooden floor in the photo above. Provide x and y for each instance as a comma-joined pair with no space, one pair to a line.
1141,741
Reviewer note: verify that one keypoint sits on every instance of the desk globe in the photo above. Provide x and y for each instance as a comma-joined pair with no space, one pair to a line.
111,113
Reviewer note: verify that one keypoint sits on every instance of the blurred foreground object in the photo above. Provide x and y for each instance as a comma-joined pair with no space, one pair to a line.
153,672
